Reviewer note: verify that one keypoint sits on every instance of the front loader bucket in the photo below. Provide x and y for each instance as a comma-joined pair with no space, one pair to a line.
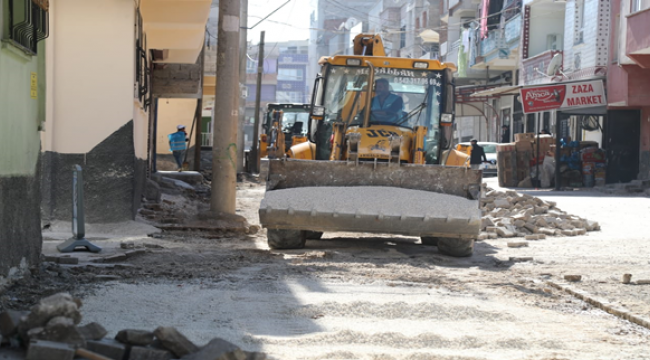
415,200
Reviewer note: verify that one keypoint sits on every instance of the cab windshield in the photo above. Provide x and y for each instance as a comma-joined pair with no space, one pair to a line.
293,120
400,97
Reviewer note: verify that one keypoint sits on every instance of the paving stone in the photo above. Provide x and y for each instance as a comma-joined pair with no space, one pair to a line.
504,232
49,350
218,349
135,252
172,340
531,237
517,244
541,209
9,321
493,235
135,337
107,347
482,236
146,353
572,278
501,203
520,223
92,331
116,257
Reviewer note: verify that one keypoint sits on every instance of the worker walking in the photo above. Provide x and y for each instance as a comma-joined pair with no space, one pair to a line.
178,144
477,157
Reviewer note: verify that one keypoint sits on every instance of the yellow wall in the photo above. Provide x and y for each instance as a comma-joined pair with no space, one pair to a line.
171,113
91,68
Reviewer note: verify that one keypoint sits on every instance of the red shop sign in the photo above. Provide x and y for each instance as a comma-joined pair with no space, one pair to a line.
563,96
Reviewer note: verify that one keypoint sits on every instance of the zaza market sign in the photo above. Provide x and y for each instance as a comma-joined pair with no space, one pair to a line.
566,96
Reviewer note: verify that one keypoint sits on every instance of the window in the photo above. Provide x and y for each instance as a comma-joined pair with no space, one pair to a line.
270,66
579,22
290,97
288,74
638,5
28,22
402,37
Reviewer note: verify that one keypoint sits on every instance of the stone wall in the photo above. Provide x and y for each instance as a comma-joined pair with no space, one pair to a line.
113,180
20,233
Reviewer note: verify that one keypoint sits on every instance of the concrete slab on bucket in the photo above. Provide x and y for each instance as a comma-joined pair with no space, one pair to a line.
371,209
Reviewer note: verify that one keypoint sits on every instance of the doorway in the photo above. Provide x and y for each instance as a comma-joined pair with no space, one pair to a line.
622,144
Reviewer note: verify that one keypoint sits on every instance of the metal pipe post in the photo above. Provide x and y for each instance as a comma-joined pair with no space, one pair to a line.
241,134
558,117
224,133
255,151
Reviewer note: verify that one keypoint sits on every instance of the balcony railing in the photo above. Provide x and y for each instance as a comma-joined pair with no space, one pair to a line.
510,35
534,68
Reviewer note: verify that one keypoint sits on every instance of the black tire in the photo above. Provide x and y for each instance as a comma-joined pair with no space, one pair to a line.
313,235
456,247
285,239
429,240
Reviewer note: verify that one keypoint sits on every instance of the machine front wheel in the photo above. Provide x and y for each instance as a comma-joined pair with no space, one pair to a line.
286,239
456,247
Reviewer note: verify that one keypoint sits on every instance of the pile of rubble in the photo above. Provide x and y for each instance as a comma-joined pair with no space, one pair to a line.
510,214
51,331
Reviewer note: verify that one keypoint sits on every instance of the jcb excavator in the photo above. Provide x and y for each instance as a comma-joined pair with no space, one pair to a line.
285,125
380,129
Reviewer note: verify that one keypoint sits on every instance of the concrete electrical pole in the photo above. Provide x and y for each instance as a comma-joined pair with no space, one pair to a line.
243,33
224,148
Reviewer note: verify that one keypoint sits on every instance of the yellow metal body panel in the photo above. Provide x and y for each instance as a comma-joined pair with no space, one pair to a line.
456,158
374,143
467,149
302,151
388,62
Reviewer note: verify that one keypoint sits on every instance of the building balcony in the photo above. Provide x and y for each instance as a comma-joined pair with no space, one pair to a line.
534,68
637,46
499,50
176,28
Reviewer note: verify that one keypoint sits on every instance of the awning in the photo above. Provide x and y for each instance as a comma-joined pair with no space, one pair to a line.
498,91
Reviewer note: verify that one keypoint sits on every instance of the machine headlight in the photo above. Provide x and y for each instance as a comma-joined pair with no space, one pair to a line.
446,118
420,65
353,62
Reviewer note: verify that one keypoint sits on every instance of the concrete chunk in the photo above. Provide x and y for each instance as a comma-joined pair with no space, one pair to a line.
218,349
108,347
517,244
172,340
504,232
145,353
502,203
135,337
9,321
92,331
531,237
41,350
61,304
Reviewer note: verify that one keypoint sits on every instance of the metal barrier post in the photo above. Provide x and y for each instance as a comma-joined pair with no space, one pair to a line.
78,223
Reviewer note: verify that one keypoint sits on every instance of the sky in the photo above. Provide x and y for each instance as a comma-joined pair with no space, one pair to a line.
289,23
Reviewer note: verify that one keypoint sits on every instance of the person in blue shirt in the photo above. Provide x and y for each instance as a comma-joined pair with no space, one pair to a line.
385,106
178,144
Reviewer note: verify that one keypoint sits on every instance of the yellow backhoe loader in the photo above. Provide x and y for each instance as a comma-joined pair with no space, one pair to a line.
285,125
380,129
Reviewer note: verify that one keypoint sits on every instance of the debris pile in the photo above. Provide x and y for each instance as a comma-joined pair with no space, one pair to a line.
51,331
510,214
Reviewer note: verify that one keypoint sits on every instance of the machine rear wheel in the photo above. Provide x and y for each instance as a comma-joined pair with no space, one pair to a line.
429,240
456,247
313,235
286,239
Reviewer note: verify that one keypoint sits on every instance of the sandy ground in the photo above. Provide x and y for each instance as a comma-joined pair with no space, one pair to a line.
361,296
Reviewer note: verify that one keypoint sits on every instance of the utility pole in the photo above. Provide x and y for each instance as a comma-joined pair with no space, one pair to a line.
255,169
224,148
241,134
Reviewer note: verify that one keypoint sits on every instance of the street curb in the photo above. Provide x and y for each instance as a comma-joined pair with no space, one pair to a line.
602,304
